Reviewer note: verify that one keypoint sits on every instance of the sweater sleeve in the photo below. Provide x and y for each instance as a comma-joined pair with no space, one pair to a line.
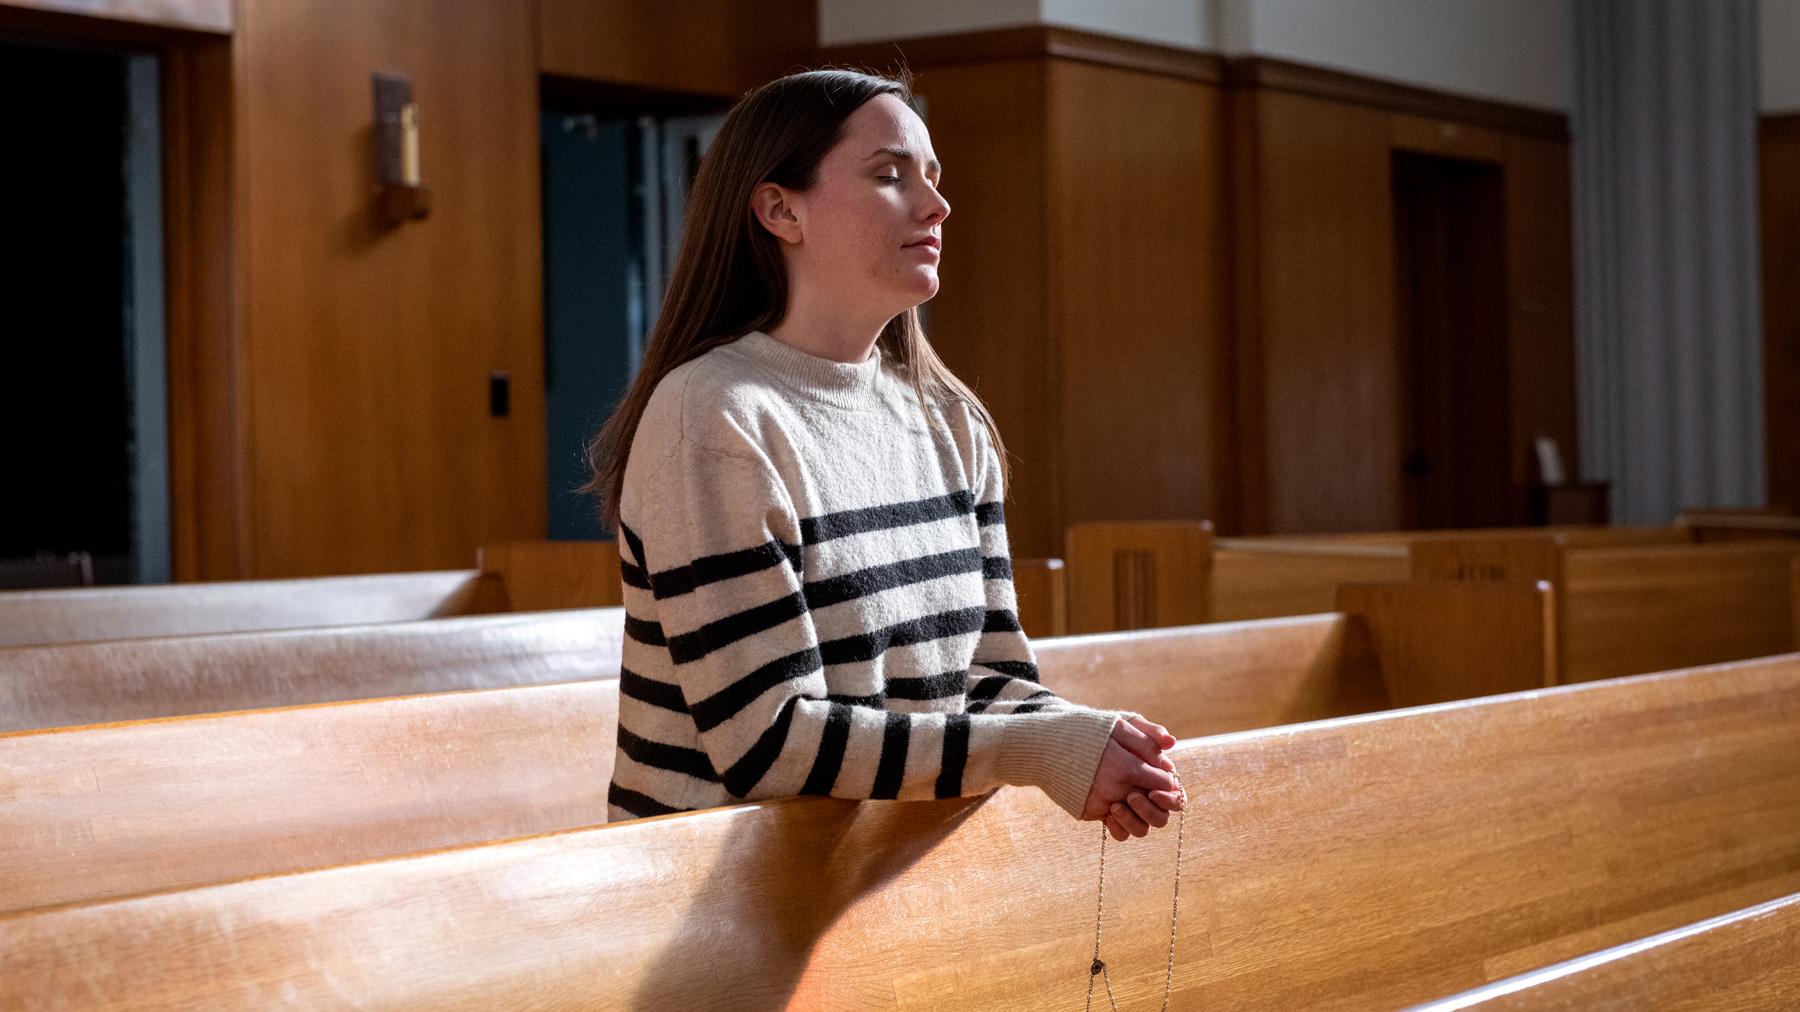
718,539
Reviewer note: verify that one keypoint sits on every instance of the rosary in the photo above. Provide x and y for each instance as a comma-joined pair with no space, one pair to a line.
1099,968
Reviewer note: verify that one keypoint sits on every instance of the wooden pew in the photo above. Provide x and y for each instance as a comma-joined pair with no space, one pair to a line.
107,811
1042,587
1298,574
547,575
1738,524
1138,574
1748,958
92,683
1369,861
33,617
1627,610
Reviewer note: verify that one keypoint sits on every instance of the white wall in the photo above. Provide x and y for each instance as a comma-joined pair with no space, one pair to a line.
1780,56
1511,50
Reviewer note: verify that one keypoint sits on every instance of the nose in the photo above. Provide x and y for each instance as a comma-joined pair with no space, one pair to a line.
937,209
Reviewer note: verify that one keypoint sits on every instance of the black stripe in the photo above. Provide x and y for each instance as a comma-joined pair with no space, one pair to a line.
748,771
874,702
989,513
1029,708
997,567
825,527
641,806
663,756
875,579
989,688
644,631
942,686
726,566
869,646
892,769
689,647
721,706
956,755
652,691
1017,669
1001,620
832,744
635,543
633,576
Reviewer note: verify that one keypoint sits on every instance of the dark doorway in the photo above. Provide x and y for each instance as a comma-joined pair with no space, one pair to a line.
81,320
1450,276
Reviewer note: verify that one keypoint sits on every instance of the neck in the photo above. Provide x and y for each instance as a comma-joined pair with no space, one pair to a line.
828,330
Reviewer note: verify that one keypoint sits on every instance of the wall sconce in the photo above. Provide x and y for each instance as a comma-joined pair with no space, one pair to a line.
400,196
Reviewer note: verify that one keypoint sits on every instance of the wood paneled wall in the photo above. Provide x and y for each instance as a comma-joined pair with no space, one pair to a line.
1780,196
367,350
1317,354
1084,273
703,47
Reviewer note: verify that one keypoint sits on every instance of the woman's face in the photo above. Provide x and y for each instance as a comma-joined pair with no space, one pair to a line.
875,199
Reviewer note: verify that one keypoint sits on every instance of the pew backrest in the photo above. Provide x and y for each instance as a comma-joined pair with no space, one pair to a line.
33,617
101,682
548,575
1138,574
1369,861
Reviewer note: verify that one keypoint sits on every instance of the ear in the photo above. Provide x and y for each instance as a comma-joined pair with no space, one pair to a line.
774,207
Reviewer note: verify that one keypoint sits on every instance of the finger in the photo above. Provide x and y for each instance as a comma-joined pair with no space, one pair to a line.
1147,811
1137,742
1168,801
1132,822
1149,778
1157,732
1113,827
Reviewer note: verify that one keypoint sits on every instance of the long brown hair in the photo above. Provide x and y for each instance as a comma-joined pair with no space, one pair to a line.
730,278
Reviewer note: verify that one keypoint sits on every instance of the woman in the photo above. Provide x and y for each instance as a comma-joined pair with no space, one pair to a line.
818,589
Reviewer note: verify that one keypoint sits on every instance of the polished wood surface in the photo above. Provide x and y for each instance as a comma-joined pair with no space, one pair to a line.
92,683
1748,958
367,350
212,16
126,808
91,812
711,47
111,613
1443,640
1413,103
1138,574
1739,525
1042,587
1629,609
1263,580
1433,850
1031,42
545,575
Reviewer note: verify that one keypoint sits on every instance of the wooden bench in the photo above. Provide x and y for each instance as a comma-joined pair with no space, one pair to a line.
1138,574
521,576
1369,861
105,811
32,617
1739,524
1298,574
100,682
1627,610
1748,958
1042,587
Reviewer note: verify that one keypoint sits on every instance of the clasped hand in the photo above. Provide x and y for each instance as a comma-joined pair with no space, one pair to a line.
1135,787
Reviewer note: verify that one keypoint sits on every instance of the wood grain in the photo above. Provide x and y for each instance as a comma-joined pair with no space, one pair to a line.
1443,640
1042,587
76,615
1432,850
546,575
1138,574
92,683
1749,958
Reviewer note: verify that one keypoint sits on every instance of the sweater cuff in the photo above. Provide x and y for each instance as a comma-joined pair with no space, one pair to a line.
1058,751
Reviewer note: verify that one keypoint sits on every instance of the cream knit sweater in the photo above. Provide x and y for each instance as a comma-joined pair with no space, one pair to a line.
819,597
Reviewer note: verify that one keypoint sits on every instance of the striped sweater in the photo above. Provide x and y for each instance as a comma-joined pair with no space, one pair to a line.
819,597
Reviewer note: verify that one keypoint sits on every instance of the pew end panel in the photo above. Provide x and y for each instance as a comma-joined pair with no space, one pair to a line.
551,575
1042,587
1142,574
1263,578
1443,640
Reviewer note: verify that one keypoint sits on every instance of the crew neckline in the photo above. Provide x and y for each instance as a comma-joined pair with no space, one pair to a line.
842,384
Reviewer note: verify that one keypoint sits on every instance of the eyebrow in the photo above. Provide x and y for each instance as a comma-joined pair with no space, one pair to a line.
906,156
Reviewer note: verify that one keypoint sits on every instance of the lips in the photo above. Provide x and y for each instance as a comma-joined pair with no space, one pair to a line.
931,240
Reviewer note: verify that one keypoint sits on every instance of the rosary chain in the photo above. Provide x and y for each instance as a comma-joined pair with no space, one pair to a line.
1099,968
